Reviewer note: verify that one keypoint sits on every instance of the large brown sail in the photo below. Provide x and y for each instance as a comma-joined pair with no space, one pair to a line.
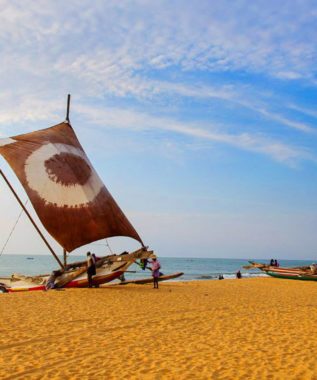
66,192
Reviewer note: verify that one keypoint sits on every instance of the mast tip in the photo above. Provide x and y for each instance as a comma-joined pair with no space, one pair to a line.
68,106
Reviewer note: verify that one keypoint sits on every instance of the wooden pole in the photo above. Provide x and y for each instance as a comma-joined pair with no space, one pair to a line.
68,106
31,219
65,257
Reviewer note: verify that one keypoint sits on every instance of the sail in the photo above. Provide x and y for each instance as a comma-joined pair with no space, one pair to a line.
67,194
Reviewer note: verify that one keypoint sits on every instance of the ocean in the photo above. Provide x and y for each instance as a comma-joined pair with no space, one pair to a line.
193,268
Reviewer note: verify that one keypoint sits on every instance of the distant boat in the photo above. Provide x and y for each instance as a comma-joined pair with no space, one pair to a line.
72,203
305,273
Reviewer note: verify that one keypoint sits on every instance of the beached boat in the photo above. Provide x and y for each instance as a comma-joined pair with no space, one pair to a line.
305,273
72,203
149,280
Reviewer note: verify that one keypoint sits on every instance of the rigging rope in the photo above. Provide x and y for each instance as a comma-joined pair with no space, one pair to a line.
104,244
109,246
12,230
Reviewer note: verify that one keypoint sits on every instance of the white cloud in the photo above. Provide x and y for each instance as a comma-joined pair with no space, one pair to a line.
290,123
304,110
19,114
121,50
122,118
111,39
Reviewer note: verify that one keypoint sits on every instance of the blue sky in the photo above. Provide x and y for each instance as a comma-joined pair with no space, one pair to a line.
200,117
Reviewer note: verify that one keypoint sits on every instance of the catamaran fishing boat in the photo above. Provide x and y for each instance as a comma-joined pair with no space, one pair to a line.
72,203
305,273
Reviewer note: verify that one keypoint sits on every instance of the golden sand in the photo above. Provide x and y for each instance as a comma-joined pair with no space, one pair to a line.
231,329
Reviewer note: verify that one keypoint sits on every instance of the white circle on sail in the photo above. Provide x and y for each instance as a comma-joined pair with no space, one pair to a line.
57,193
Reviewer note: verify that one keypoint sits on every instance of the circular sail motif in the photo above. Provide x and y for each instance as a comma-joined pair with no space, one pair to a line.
62,175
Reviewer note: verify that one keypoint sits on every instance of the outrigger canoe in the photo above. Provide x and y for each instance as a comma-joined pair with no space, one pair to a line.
297,273
108,268
72,204
148,280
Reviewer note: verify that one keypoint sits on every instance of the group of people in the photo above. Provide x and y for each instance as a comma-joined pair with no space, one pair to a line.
238,275
155,268
274,263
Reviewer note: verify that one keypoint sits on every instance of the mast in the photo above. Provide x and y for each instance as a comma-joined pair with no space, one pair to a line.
31,219
68,107
65,257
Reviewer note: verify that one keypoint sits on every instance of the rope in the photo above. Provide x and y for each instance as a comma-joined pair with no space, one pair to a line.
107,244
12,230
104,244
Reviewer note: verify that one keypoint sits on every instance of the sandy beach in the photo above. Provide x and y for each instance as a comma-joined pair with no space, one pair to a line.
259,328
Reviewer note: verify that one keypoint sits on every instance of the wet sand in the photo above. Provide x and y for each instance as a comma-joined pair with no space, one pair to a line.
232,329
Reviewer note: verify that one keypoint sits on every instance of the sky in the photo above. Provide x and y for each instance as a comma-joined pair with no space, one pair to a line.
199,116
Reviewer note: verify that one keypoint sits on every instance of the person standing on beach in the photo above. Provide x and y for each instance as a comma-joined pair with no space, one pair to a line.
91,269
238,274
155,267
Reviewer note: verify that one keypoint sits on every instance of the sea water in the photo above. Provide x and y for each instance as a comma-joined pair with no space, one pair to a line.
193,268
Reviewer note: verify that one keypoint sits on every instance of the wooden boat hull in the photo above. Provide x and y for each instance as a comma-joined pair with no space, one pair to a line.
299,273
78,283
292,276
102,276
149,280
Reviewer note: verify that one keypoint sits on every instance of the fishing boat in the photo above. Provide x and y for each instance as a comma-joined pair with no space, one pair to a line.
304,273
72,203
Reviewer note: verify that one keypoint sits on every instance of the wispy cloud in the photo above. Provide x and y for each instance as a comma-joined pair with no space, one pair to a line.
239,96
34,110
20,114
131,50
128,119
304,110
303,127
135,36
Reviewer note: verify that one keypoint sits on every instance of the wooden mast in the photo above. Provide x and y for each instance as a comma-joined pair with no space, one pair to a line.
68,106
67,119
65,257
31,219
